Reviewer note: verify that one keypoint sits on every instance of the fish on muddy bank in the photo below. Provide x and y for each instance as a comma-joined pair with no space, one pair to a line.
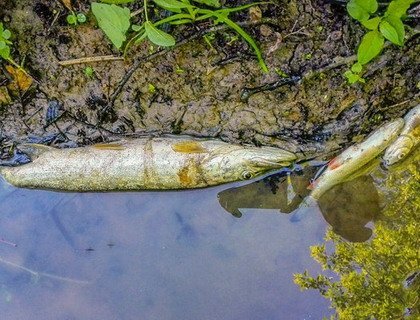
353,160
154,163
408,139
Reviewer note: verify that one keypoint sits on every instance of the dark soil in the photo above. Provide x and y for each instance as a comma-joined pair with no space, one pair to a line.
198,90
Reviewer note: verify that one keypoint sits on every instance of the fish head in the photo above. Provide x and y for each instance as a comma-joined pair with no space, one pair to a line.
247,163
398,150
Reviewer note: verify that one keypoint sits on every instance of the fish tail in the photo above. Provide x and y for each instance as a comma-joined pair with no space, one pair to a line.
304,208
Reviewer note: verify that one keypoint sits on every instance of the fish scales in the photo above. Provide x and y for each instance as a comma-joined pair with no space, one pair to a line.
157,163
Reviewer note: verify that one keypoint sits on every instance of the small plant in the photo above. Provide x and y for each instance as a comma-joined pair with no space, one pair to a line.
5,44
75,19
387,26
115,21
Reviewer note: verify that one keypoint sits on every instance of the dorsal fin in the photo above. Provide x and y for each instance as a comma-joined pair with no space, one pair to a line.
34,150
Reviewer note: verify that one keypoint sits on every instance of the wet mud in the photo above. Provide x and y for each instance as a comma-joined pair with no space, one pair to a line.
218,91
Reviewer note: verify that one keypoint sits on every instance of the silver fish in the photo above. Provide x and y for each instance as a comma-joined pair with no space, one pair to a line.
407,141
169,162
353,159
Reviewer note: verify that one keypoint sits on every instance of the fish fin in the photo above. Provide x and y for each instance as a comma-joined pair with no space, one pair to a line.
109,146
34,150
303,209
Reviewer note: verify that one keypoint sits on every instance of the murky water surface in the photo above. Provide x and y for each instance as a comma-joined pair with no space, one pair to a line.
162,255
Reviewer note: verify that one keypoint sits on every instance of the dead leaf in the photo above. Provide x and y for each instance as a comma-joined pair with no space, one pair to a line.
67,4
255,14
21,80
4,96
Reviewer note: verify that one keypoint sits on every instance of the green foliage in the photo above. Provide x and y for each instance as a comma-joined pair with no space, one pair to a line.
387,26
115,21
74,19
371,280
5,42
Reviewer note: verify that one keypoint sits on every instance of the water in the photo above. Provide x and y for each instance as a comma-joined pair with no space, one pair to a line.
160,255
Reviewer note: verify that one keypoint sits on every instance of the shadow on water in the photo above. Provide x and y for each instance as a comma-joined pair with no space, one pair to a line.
344,207
154,255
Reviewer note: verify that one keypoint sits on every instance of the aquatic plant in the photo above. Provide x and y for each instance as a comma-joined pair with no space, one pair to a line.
387,26
378,279
115,21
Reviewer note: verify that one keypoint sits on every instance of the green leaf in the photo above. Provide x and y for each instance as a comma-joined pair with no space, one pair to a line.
372,43
116,1
210,3
5,52
389,32
157,36
369,5
113,20
136,27
81,18
398,8
6,34
398,26
71,19
172,5
356,68
357,12
372,24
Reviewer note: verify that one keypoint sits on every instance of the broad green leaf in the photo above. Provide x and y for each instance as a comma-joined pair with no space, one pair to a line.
113,20
372,24
398,8
389,32
172,5
398,26
369,5
357,12
157,36
210,3
372,43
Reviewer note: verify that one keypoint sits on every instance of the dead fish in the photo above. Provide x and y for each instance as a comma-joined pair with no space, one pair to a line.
159,163
344,166
407,141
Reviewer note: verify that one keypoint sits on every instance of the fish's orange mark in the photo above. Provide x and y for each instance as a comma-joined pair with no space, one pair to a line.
109,146
188,147
334,163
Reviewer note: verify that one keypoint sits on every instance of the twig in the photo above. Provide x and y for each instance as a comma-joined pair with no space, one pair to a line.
43,274
90,60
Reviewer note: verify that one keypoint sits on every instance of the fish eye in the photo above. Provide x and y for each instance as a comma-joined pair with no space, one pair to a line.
246,175
401,155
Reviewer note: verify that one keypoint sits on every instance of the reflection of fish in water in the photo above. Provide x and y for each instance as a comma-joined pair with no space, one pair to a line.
267,193
349,206
407,141
161,163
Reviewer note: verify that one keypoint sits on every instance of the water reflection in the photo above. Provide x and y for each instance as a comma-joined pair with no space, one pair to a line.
344,207
154,255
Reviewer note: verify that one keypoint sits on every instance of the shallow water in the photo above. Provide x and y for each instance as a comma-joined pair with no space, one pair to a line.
160,255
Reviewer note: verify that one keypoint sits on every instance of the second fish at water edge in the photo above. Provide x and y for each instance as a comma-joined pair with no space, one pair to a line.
353,159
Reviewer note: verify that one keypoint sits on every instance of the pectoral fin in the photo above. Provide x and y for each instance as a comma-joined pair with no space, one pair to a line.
34,150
